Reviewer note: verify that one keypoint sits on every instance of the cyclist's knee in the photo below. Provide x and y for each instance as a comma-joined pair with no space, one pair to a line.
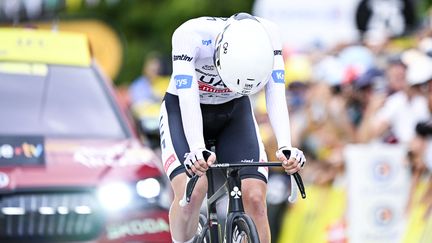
254,195
198,195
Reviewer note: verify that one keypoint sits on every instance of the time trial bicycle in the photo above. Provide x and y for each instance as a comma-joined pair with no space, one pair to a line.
239,227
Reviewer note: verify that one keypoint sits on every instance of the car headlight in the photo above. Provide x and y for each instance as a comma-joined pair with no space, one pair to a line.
115,196
148,188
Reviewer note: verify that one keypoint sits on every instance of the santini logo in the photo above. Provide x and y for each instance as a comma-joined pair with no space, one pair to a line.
182,58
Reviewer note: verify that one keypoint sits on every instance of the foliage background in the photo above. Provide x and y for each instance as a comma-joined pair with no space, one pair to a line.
147,25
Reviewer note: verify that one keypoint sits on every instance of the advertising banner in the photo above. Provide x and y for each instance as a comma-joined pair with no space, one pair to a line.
377,190
304,23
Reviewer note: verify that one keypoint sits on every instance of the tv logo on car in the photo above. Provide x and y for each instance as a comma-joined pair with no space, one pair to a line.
7,151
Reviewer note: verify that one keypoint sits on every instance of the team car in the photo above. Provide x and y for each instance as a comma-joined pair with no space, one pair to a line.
72,169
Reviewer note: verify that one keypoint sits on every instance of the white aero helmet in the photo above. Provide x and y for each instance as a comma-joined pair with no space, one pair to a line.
244,54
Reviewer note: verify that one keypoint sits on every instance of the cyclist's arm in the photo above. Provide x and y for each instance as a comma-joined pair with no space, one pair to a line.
184,52
275,94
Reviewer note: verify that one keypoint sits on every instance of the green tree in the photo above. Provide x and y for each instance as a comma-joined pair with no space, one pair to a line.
147,25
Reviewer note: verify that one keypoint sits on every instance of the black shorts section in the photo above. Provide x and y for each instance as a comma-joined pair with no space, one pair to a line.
231,128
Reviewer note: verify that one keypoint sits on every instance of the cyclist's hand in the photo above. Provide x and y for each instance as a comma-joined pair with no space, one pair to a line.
295,161
196,164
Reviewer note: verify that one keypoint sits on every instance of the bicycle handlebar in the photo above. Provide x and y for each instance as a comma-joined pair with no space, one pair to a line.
191,182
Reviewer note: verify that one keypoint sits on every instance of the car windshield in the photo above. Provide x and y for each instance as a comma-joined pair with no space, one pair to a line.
57,101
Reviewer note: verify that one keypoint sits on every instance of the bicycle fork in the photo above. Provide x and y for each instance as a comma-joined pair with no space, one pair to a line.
235,205
235,202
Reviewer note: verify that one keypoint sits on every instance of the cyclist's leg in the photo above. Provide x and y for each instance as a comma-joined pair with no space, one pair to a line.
240,140
183,220
254,202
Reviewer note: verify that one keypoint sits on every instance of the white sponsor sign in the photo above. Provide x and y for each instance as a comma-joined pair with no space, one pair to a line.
378,188
307,22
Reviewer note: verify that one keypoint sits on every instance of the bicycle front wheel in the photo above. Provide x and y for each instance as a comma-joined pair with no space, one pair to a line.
244,230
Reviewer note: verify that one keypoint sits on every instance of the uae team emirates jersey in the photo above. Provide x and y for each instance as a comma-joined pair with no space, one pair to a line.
193,49
195,79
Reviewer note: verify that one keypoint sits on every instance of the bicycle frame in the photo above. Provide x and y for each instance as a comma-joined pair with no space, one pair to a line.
232,185
235,204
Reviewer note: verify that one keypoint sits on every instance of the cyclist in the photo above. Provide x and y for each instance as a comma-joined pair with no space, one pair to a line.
217,64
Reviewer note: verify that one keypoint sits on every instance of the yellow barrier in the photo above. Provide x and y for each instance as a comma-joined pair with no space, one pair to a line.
419,224
321,217
317,219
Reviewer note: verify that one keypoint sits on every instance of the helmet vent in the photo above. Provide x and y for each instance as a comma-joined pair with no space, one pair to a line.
238,81
258,84
250,79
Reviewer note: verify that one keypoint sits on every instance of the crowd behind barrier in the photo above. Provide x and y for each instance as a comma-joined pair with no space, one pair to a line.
375,91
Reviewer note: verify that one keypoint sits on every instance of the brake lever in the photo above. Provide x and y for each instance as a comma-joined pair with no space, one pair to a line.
190,184
297,177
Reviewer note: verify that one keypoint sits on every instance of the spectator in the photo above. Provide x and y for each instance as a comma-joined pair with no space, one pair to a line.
145,98
326,131
395,73
141,88
364,87
398,114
